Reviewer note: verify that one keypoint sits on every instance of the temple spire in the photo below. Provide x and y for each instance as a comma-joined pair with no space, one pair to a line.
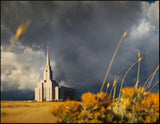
47,63
47,70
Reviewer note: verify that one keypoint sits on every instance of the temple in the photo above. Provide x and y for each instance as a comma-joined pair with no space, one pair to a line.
49,90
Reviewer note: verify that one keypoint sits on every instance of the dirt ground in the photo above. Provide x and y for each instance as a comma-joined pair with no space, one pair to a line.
27,112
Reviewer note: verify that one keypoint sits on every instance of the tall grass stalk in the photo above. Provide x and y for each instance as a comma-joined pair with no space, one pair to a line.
124,78
111,90
147,80
117,78
113,86
107,86
140,58
149,83
136,85
154,86
114,91
115,52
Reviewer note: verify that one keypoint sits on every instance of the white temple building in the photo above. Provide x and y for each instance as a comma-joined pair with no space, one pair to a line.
49,90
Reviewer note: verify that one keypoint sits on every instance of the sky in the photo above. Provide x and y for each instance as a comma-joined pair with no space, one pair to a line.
82,37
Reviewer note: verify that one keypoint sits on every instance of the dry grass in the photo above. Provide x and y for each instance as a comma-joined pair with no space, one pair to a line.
115,52
20,31
27,112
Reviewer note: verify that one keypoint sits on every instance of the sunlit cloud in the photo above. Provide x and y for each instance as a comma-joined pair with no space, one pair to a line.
22,70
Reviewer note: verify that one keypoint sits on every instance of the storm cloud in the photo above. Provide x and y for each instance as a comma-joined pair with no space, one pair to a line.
82,37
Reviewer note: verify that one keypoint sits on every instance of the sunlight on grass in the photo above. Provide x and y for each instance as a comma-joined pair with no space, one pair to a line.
26,112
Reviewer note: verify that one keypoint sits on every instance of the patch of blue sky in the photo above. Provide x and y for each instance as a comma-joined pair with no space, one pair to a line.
146,17
149,1
155,32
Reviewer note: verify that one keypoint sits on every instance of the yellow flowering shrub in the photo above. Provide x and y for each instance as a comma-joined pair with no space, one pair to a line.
67,111
137,106
103,100
96,101
89,99
134,106
72,106
151,100
151,105
58,109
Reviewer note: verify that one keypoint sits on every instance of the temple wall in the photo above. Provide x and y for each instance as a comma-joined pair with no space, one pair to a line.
56,93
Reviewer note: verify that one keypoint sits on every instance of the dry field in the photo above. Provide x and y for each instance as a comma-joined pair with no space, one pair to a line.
27,112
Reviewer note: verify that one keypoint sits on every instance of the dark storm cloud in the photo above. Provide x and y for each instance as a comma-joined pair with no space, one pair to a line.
76,18
82,37
17,95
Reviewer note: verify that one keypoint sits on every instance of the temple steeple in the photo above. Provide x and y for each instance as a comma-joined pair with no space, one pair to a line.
47,62
47,71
